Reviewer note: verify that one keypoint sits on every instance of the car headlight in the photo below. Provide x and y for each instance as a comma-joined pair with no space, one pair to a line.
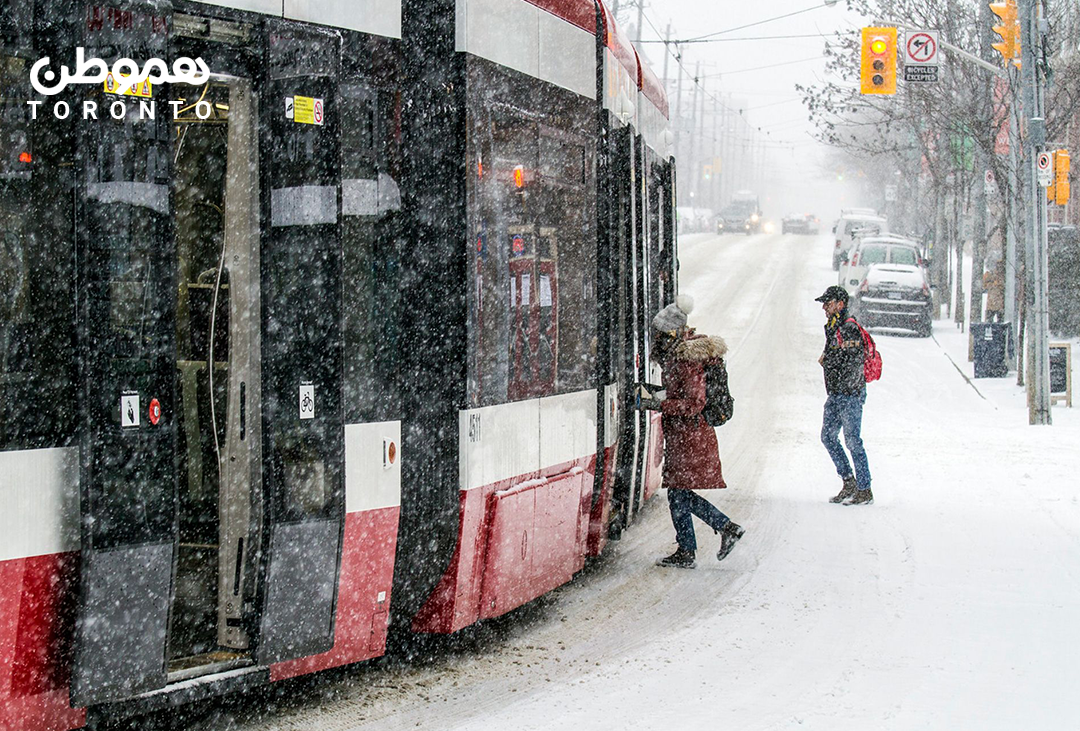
754,218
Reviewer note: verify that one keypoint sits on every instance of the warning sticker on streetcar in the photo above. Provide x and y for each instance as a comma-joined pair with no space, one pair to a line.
129,409
305,110
143,89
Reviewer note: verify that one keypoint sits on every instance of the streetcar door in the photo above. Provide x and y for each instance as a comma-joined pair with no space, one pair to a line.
126,349
216,204
627,317
303,418
643,311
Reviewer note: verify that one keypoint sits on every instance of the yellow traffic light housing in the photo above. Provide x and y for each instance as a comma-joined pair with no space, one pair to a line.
877,68
1061,177
1008,30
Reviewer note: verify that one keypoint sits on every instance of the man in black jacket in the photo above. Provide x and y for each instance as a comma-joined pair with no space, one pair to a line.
845,384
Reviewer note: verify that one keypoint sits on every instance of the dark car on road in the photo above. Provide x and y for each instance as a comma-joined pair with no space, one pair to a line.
799,223
739,217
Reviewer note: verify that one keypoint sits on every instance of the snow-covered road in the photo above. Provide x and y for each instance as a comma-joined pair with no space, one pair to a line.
953,602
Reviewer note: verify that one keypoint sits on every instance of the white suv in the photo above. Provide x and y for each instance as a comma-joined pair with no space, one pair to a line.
850,228
887,249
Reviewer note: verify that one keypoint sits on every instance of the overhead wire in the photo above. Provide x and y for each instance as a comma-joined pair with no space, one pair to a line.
687,41
764,137
761,22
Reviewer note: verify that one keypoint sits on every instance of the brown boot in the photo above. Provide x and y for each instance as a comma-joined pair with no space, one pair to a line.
848,490
861,497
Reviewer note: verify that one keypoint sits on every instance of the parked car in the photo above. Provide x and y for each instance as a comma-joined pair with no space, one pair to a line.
850,228
694,220
799,223
881,249
895,295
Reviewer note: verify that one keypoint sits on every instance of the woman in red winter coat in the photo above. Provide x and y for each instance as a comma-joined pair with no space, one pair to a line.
691,453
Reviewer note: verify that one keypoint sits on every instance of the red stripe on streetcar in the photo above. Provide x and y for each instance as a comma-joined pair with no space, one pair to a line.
653,89
581,13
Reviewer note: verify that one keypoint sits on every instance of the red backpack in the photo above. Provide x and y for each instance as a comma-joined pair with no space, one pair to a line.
871,366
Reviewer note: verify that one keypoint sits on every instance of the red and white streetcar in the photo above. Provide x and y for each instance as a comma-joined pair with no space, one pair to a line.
346,335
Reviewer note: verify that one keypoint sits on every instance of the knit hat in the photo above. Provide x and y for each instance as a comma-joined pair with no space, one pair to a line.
673,317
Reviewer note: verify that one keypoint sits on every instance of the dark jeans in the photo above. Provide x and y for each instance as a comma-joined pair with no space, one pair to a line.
684,505
844,411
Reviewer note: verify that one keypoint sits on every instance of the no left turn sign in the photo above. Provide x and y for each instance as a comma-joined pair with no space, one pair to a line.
1044,169
921,48
921,59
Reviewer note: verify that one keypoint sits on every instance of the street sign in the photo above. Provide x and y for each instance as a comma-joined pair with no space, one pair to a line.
1044,169
890,193
921,59
990,183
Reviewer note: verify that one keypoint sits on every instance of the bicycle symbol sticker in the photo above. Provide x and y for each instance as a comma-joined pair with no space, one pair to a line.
307,400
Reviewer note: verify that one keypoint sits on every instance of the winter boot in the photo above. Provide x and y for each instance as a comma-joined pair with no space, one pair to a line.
729,536
861,497
848,490
679,560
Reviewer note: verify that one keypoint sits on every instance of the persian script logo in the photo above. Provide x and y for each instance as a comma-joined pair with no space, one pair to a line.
125,73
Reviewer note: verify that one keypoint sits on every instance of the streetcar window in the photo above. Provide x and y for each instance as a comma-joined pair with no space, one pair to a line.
37,316
532,313
371,254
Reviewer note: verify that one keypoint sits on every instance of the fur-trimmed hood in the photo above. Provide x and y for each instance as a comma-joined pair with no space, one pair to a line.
700,348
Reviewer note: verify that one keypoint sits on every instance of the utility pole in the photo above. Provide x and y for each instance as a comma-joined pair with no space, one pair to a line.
727,152
713,197
667,53
677,122
1012,215
702,194
984,139
692,164
640,19
1038,321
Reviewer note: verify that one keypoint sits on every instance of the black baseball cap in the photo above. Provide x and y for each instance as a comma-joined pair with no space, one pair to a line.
833,294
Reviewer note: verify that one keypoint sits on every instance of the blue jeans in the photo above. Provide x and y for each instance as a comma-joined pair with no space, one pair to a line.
845,411
684,505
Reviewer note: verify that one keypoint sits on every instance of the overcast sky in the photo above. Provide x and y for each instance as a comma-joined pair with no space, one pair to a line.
731,66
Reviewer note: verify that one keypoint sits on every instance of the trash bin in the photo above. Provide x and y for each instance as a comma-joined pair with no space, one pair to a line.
991,345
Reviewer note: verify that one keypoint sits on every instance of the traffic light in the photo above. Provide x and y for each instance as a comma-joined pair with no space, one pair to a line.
878,66
1061,177
1009,30
707,172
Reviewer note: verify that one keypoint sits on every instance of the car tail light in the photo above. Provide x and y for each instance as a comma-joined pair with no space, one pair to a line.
926,289
855,259
837,244
864,287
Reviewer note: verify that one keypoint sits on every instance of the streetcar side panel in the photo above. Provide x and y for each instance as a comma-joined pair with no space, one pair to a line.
527,438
